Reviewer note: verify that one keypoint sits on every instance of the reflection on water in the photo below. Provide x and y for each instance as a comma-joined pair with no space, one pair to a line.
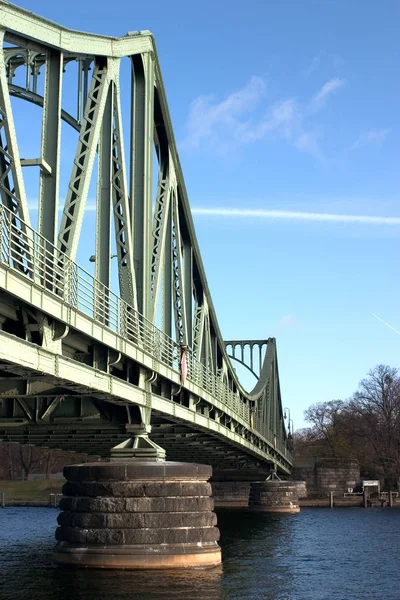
342,554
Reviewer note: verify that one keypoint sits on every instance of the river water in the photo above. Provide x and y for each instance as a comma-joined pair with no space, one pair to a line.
320,554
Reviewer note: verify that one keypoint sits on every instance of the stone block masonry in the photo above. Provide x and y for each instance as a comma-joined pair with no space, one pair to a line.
337,475
324,475
137,515
274,496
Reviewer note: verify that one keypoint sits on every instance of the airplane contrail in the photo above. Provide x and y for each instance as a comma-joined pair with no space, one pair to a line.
287,215
384,322
296,216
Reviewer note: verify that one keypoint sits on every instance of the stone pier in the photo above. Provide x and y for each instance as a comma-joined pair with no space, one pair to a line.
137,515
274,496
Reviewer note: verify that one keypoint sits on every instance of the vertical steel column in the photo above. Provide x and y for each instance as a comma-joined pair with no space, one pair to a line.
271,401
79,103
104,193
214,345
142,135
188,289
167,274
251,346
198,328
50,148
276,411
204,346
121,205
161,213
178,275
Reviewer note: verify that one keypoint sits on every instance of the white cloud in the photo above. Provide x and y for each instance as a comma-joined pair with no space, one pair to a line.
226,124
319,99
233,122
374,137
307,142
207,116
280,118
284,114
296,216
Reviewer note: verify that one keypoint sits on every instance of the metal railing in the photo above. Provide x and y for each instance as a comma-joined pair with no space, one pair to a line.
24,250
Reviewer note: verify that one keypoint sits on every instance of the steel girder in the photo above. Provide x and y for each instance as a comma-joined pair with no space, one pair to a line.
161,274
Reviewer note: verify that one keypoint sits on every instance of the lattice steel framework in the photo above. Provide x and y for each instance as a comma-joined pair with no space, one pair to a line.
162,282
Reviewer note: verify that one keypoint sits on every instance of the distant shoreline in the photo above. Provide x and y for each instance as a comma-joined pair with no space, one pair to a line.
47,494
28,504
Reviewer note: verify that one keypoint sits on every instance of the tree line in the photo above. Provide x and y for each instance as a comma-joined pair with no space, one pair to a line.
18,461
365,426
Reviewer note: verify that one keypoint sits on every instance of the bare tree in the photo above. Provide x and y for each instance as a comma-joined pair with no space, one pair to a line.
29,458
326,419
10,459
6,461
377,404
366,427
48,460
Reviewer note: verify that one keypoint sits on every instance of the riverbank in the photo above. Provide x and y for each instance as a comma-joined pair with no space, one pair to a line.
344,502
31,493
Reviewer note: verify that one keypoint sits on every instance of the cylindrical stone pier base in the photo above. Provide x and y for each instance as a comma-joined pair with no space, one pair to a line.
137,515
273,496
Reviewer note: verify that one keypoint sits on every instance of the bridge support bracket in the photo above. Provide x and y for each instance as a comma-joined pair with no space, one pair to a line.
273,477
139,447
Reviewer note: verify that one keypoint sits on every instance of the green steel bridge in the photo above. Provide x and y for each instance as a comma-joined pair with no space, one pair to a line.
131,366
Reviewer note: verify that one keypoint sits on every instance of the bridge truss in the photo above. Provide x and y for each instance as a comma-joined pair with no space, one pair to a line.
84,366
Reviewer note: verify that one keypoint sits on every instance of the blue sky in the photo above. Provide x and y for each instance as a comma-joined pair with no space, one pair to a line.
281,105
